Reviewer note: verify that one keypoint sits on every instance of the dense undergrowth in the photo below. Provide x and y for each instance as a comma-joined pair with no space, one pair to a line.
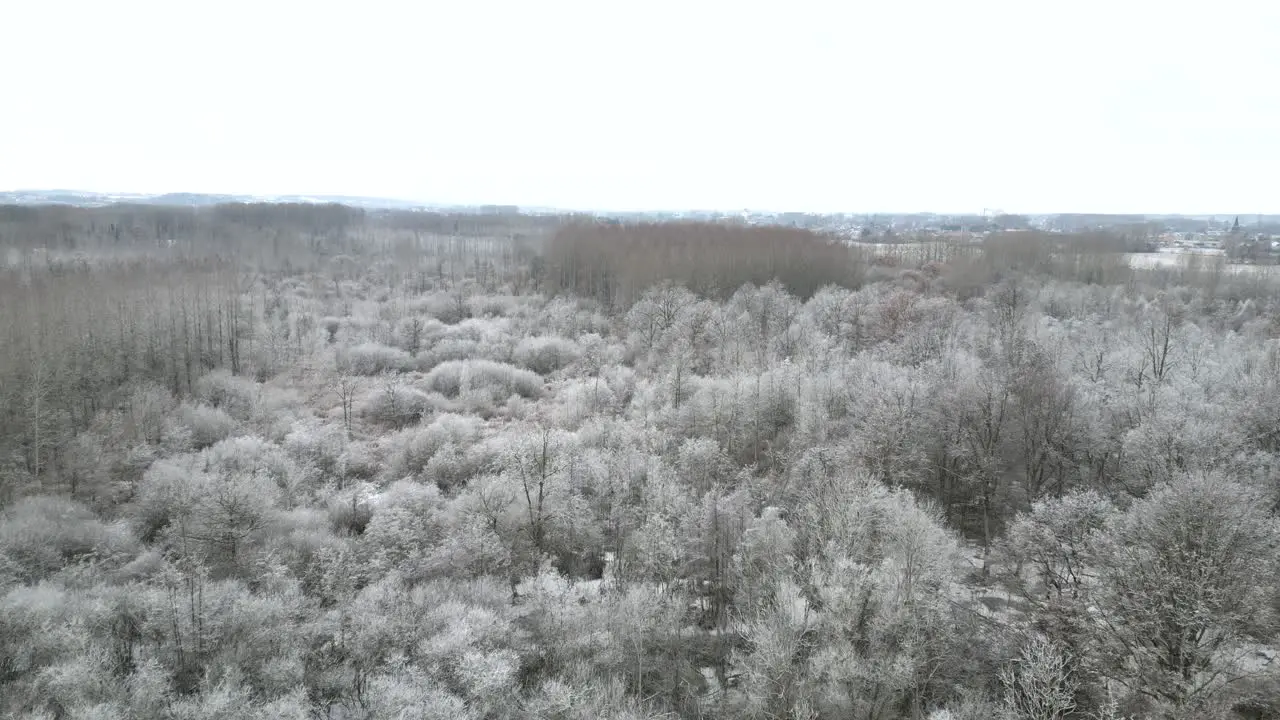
346,466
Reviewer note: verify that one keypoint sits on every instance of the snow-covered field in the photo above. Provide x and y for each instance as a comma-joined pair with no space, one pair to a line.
1202,259
1170,258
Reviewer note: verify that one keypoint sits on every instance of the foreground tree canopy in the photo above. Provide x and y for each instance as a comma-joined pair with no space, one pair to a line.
293,461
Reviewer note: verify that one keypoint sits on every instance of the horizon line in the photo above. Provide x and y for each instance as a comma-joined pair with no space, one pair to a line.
337,197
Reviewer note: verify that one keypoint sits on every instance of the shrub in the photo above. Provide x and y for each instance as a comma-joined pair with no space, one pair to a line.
471,549
412,332
145,409
545,354
567,317
372,359
202,425
485,331
198,502
446,350
395,405
446,307
232,394
452,466
250,455
40,535
164,494
358,462
405,523
348,515
578,400
494,305
320,446
483,381
296,536
411,450
331,326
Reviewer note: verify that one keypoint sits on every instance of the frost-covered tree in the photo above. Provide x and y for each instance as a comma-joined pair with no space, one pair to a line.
1186,582
1052,545
1040,683
865,631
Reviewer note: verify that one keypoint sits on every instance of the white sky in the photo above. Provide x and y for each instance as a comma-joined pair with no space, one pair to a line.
893,105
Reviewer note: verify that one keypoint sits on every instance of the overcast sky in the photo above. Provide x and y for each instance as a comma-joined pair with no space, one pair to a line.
947,105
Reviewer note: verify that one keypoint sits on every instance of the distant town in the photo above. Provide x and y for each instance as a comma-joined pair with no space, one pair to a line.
1243,238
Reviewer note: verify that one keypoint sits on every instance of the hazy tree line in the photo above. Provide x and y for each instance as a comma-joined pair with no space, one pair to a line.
614,264
317,462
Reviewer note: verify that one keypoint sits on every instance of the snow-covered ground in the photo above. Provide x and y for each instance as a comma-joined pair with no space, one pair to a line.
1204,258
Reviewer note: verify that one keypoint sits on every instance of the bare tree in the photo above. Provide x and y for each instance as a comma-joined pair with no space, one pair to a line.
1041,683
1158,338
346,387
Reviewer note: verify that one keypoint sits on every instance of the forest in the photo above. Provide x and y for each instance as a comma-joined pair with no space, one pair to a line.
310,461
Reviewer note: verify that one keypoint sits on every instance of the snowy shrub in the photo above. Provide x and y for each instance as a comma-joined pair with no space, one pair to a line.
163,495
745,414
331,325
702,463
410,692
454,465
39,535
298,537
486,331
348,514
146,565
658,317
405,523
277,410
621,381
423,303
172,486
364,325
446,350
443,306
251,455
372,359
483,380
494,305
196,502
469,550
545,354
233,394
927,334
473,339
412,333
570,317
408,452
411,450
201,425
358,462
145,411
580,400
395,405
317,445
